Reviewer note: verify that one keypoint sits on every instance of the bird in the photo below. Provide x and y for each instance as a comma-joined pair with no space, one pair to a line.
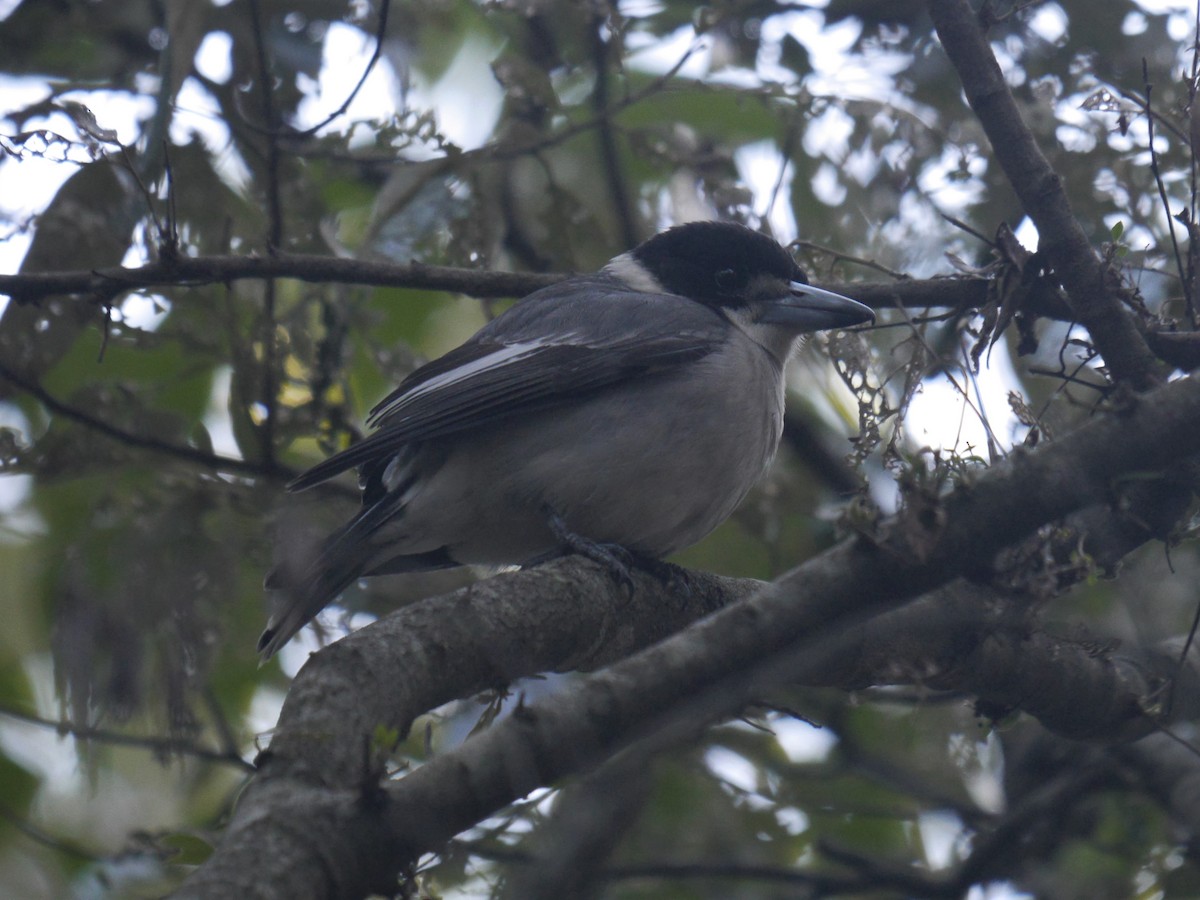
622,414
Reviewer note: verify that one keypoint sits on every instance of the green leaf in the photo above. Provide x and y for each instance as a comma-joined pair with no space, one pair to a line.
190,849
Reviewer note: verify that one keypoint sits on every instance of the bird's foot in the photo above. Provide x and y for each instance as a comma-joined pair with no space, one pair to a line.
615,559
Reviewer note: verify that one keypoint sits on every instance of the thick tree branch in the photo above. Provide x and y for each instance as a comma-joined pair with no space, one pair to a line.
964,638
1062,240
571,851
565,616
967,638
354,838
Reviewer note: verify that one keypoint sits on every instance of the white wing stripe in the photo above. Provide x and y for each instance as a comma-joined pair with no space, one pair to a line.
506,355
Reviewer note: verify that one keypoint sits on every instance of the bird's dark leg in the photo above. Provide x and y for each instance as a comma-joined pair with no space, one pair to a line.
617,560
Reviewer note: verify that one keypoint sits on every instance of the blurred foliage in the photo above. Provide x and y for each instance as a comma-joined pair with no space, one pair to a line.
149,433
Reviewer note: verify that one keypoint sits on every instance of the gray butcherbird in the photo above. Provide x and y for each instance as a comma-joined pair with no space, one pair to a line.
634,407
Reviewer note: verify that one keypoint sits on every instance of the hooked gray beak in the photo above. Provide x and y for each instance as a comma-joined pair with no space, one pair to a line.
808,308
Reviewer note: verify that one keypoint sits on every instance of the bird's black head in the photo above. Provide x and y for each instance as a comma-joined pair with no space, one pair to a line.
738,270
714,262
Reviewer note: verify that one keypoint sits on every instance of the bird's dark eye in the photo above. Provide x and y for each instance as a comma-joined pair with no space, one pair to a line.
726,279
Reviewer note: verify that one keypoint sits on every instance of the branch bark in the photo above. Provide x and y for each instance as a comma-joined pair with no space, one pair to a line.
191,271
1062,240
960,293
102,286
355,837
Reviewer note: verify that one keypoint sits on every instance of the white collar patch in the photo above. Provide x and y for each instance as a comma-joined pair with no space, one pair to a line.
627,269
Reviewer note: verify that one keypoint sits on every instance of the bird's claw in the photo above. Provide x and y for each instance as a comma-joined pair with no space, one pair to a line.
618,561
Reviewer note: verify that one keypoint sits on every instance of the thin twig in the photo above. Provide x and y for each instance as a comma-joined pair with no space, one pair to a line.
153,744
1144,107
501,151
193,271
380,31
274,235
1162,193
791,136
1072,379
38,836
190,454
837,256
270,117
1193,76
963,226
228,739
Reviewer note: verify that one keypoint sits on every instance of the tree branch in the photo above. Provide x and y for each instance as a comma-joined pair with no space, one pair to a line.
104,284
967,638
610,157
159,746
195,271
1040,189
192,455
355,838
1181,350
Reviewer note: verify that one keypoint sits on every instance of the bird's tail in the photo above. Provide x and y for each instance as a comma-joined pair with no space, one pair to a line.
301,589
304,584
